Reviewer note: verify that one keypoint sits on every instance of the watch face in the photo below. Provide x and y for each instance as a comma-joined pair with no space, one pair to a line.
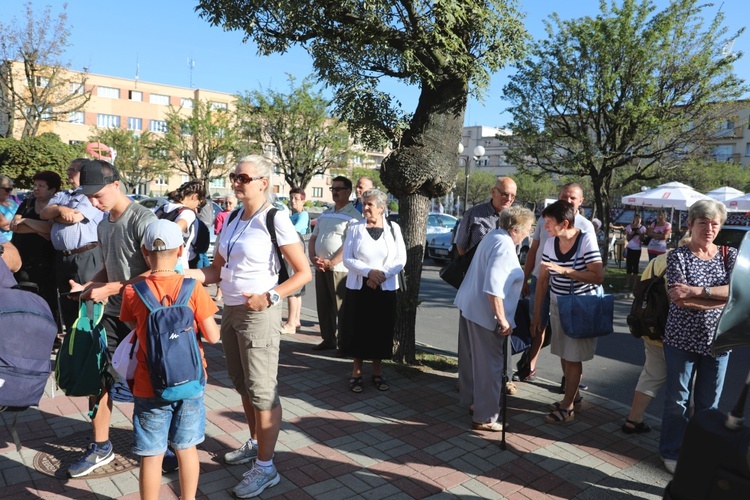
274,297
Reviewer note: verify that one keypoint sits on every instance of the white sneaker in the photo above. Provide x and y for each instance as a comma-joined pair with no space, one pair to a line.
256,480
670,465
241,455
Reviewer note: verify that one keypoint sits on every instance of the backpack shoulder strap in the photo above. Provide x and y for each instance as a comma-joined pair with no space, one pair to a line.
146,295
186,290
232,215
270,216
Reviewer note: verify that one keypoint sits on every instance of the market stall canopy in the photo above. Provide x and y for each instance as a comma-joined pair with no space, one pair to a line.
674,195
724,193
739,204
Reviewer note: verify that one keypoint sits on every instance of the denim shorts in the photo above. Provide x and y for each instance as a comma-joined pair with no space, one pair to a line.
157,423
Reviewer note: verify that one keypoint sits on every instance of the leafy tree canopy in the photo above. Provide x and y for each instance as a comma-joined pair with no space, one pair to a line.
296,129
630,88
480,185
21,159
198,141
137,158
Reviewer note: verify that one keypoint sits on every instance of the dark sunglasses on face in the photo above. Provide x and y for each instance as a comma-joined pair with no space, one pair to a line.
243,178
7,190
337,189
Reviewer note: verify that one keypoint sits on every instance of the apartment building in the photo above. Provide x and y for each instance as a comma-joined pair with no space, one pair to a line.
138,106
491,139
732,140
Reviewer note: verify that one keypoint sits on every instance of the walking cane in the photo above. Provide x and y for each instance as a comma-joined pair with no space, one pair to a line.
504,397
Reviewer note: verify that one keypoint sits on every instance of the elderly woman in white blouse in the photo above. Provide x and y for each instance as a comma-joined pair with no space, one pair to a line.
487,299
374,254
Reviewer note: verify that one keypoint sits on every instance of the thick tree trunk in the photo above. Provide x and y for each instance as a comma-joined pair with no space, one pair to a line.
601,186
423,167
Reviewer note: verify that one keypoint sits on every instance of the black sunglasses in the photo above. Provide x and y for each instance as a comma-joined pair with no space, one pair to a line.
243,178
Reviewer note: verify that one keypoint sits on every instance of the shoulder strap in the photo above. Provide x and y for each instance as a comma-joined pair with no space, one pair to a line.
146,295
724,252
232,215
270,216
186,290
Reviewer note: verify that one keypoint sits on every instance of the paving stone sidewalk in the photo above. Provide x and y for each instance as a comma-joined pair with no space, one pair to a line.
413,441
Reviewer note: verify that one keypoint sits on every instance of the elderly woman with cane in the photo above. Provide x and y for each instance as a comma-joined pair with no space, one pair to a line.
487,299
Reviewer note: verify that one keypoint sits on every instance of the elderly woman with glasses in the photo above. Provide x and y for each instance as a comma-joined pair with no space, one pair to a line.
247,267
374,254
698,279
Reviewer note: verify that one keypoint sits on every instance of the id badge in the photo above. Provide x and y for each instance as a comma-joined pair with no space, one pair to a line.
226,274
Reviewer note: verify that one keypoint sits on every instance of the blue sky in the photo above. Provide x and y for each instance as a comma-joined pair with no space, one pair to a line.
158,37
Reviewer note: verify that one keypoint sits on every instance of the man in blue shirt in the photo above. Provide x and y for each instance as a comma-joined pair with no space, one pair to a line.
77,253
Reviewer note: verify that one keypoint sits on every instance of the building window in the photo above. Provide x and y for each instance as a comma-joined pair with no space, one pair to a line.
108,92
75,88
135,124
41,81
76,117
220,160
186,103
162,180
747,149
317,192
157,126
217,183
185,178
723,152
74,143
217,105
45,114
135,95
159,99
107,121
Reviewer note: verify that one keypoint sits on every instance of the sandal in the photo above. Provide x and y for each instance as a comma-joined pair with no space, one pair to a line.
487,426
380,382
510,388
637,427
559,417
355,384
576,405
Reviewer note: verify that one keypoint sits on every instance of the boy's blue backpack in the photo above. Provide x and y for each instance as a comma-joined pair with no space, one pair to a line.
172,354
83,356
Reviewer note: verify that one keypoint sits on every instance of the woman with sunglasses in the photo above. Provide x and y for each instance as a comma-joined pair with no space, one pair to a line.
247,267
8,206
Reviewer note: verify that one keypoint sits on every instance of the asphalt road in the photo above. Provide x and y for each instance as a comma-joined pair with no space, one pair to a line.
613,373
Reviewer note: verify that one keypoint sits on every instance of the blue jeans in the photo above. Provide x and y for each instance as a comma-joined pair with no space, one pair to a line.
709,381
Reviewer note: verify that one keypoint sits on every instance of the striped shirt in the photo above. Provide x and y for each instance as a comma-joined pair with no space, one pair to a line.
587,252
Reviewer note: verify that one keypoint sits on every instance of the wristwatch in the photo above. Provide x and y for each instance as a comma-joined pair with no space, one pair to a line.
707,292
273,297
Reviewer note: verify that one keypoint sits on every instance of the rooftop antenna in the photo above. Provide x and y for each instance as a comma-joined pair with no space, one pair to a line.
137,70
191,67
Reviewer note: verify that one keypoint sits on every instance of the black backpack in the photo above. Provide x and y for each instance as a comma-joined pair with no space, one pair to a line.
202,239
648,314
172,216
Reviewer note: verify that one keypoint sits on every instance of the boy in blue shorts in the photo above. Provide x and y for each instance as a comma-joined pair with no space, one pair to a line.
181,424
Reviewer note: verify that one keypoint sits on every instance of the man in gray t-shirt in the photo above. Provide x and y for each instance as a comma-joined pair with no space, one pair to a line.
119,234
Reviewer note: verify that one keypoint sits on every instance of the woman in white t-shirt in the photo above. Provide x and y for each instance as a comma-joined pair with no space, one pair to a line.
570,257
184,200
247,266
634,233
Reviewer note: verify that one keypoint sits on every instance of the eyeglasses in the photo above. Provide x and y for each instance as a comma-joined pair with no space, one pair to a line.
337,189
243,178
7,190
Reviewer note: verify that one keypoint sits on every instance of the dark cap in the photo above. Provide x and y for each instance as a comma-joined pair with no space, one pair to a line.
94,176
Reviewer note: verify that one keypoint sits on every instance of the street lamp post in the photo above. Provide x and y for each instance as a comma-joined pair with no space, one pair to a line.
478,153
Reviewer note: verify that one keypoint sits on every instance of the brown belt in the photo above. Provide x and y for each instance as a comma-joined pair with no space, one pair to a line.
82,249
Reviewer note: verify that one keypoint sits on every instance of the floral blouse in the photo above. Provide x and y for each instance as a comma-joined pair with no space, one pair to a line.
688,329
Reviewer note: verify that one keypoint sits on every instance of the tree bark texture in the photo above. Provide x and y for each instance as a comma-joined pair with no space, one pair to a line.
422,167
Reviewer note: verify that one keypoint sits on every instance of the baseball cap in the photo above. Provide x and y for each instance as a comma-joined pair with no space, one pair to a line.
162,234
93,176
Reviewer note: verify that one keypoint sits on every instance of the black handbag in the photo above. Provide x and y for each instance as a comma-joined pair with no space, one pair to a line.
454,271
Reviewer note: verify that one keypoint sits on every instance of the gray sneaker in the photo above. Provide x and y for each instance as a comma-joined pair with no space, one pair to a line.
255,481
242,455
93,457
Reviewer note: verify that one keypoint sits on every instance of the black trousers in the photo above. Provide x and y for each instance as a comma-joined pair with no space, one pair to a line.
80,267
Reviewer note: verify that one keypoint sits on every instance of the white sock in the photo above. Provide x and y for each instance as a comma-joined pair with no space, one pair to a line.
265,464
